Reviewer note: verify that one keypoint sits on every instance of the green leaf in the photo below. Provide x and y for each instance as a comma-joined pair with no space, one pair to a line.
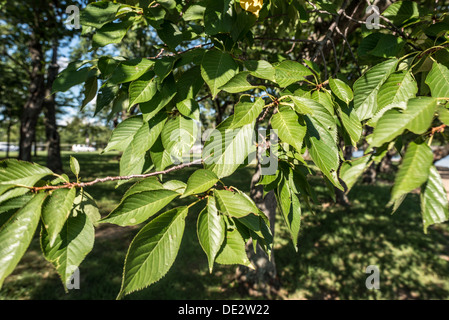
258,227
161,158
399,87
124,133
10,191
200,181
111,33
443,115
217,69
417,118
288,72
153,250
142,90
130,70
239,83
290,209
160,99
164,66
438,81
414,170
402,11
71,246
323,149
56,210
303,105
341,90
218,17
323,115
188,84
375,119
293,220
170,34
434,201
351,170
74,166
138,207
16,234
194,12
168,4
234,204
85,204
119,104
211,231
246,111
21,173
289,130
189,108
90,90
367,87
388,46
175,185
106,96
178,136
13,204
71,76
143,185
133,158
99,13
350,122
107,65
261,69
325,99
233,250
226,149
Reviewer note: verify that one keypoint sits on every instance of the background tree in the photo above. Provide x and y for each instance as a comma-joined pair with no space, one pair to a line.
37,28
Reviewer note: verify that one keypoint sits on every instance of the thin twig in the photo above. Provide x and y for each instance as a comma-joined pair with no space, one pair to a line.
179,52
285,40
107,179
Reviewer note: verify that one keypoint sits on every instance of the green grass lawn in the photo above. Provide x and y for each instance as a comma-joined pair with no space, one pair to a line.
336,245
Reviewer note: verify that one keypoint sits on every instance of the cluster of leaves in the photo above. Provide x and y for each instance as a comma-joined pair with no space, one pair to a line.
402,97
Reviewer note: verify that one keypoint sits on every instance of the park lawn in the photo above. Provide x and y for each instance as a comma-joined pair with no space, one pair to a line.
336,245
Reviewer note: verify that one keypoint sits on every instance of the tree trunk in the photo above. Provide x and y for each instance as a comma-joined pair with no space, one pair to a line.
262,281
341,196
54,161
33,106
8,137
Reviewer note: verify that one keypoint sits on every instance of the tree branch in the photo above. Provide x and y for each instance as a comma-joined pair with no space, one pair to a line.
285,40
24,66
160,54
107,179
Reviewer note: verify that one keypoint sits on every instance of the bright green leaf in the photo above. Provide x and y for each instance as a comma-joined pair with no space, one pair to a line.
153,250
414,170
288,72
217,69
56,210
200,181
211,230
71,246
434,201
138,207
16,234
416,118
234,204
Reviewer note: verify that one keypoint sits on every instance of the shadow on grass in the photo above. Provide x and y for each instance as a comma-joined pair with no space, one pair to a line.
336,246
